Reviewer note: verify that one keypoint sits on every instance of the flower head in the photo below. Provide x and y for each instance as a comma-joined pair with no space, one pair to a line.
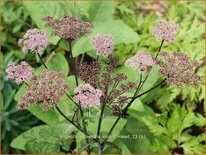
141,61
113,85
89,72
47,88
20,73
68,27
87,96
165,31
103,43
34,41
179,69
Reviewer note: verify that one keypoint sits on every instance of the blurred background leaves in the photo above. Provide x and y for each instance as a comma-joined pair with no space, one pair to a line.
171,120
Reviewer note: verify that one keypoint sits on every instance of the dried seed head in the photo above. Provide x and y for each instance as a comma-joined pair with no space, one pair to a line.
48,89
179,69
68,27
90,72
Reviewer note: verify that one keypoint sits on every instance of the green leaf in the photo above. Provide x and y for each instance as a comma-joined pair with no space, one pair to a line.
137,105
141,113
132,74
193,146
153,126
21,140
170,129
175,120
43,134
72,83
20,92
80,141
123,147
136,134
199,120
159,147
50,117
179,120
67,143
17,28
197,9
97,12
188,120
34,147
59,63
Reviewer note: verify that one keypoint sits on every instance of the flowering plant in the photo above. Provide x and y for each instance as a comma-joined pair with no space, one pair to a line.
99,89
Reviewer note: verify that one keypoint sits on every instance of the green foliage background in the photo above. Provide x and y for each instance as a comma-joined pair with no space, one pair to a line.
170,120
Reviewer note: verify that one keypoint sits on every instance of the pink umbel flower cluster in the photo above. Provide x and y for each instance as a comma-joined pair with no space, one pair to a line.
48,88
20,73
34,41
166,31
68,27
141,61
103,77
87,96
103,44
179,69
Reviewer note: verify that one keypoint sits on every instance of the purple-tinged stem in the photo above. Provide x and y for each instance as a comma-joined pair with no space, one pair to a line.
42,61
133,98
74,62
159,49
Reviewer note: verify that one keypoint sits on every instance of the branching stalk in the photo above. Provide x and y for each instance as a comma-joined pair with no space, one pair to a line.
159,84
78,127
84,130
141,84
